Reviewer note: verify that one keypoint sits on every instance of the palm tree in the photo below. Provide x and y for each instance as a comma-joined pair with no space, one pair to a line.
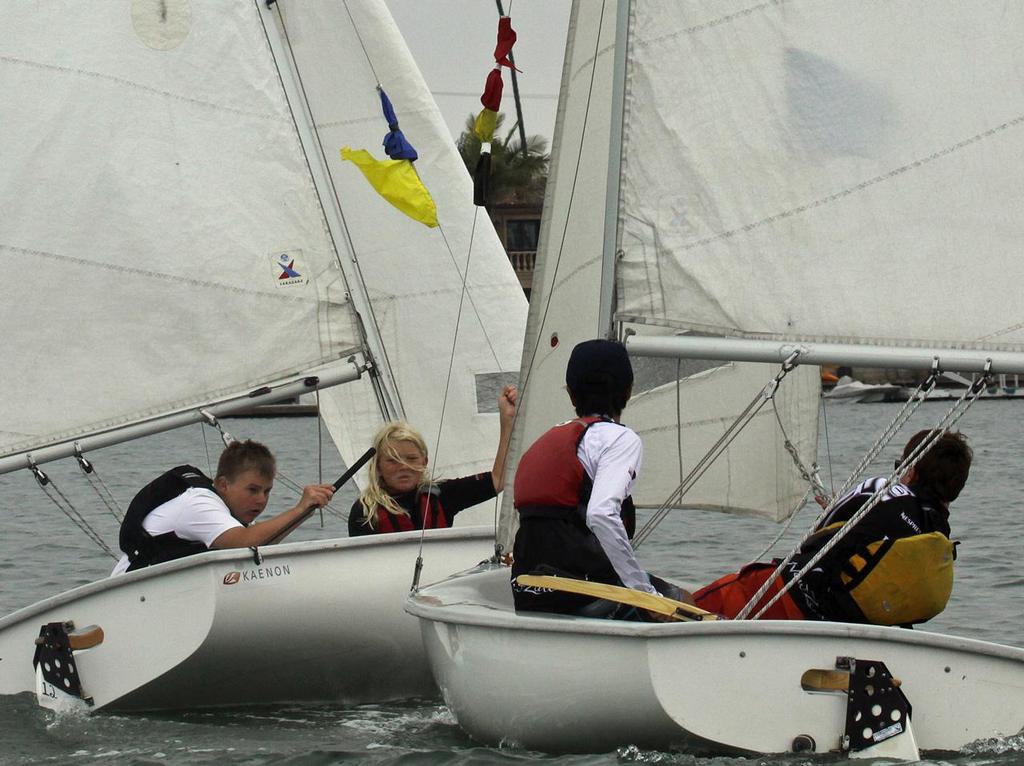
516,177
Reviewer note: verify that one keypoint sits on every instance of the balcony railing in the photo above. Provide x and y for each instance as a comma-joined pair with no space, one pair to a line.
523,260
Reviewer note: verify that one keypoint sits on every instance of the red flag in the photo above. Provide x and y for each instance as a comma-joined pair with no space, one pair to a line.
506,39
491,99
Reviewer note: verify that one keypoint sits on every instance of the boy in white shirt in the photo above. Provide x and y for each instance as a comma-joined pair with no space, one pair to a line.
182,512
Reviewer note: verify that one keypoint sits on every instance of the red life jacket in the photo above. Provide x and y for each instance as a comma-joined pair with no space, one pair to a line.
729,594
430,511
550,475
552,490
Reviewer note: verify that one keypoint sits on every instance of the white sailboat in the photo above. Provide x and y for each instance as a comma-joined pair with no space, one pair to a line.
815,178
186,234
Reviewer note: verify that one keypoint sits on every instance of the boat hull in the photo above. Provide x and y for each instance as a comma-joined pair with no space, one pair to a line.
567,684
312,622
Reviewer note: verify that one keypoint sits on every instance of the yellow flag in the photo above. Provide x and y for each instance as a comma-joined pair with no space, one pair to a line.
485,123
397,182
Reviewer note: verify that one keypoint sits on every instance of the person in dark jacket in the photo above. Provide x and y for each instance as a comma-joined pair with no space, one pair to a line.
894,567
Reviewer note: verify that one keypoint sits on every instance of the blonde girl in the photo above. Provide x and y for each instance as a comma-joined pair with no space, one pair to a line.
399,496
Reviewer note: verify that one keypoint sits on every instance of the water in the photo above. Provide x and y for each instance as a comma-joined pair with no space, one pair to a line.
42,553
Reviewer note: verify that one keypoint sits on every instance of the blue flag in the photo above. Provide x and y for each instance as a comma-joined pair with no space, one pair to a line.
395,144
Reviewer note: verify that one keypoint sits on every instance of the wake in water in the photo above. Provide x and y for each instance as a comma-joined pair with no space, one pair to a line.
397,734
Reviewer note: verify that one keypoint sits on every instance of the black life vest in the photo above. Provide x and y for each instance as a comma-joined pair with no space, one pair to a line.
895,568
552,491
144,549
431,513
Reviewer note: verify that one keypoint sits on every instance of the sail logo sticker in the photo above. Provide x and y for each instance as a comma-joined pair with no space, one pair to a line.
232,577
289,269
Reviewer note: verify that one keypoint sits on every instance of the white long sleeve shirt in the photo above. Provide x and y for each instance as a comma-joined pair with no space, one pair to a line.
611,455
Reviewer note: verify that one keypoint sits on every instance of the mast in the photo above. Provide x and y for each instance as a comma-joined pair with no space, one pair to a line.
611,205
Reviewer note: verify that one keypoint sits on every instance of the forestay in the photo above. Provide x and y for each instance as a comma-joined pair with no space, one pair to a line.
163,241
412,274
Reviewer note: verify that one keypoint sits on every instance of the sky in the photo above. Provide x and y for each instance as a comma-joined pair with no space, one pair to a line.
453,44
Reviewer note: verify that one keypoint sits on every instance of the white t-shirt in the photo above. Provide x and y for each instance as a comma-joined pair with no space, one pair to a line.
196,514
611,455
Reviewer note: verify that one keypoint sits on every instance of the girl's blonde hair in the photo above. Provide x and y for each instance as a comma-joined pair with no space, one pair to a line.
376,495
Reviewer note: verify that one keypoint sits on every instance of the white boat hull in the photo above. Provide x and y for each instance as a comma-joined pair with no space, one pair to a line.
864,393
565,684
314,622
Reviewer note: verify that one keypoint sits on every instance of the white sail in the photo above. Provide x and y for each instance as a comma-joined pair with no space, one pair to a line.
413,274
757,475
781,183
157,195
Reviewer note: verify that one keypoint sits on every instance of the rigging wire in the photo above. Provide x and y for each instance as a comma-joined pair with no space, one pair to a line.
206,447
679,418
319,452
386,412
431,483
98,485
440,228
212,421
810,475
463,296
899,420
59,499
828,500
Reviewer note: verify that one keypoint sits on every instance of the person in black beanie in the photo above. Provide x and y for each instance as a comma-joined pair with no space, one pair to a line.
572,492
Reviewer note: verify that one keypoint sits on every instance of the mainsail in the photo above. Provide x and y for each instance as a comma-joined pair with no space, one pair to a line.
778,183
164,242
169,257
814,196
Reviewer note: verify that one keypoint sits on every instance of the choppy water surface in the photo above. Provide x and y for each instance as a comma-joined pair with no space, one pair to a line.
42,553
